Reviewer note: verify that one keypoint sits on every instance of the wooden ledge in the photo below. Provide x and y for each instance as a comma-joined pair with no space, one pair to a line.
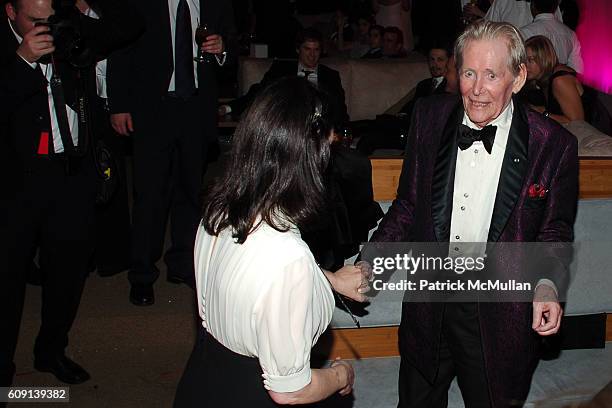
595,177
369,342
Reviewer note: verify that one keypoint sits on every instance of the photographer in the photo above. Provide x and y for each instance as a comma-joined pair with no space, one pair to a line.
47,174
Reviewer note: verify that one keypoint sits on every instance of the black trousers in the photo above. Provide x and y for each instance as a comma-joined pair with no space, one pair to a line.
170,146
460,355
54,212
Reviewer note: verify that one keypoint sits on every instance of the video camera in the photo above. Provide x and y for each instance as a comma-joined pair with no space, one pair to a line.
65,28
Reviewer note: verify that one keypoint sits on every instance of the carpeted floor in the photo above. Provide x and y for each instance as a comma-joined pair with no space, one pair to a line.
136,355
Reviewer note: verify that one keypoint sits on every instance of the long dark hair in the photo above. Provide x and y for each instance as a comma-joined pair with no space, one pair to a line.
279,154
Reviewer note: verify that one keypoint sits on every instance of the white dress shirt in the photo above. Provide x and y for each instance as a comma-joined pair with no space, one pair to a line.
266,298
194,11
476,179
563,39
100,65
437,81
517,13
73,120
312,78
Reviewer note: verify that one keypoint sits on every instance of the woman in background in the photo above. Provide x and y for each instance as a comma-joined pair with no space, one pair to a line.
562,96
262,298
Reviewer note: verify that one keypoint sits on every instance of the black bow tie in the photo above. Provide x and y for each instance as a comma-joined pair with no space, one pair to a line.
307,73
467,136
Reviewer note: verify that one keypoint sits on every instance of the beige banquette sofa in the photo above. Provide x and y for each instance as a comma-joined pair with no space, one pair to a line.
370,87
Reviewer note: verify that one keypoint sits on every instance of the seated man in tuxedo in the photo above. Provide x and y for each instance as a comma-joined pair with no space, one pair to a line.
438,57
389,131
376,39
308,48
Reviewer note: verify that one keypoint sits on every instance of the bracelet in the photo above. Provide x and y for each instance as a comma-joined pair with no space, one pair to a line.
546,113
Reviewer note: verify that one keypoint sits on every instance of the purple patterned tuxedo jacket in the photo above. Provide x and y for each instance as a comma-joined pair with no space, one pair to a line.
539,151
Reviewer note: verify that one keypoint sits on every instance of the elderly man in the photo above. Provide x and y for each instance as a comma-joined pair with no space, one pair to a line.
467,177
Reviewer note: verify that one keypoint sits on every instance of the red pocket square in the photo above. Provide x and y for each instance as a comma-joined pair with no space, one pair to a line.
537,191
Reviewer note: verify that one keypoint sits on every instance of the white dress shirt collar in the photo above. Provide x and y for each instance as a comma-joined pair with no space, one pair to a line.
545,16
17,36
312,78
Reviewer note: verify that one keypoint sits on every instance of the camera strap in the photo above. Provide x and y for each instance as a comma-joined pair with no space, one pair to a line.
57,91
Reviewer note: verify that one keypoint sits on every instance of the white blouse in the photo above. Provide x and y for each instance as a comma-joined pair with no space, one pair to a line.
266,298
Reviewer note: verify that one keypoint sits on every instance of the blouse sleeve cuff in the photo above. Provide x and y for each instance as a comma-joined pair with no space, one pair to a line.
288,383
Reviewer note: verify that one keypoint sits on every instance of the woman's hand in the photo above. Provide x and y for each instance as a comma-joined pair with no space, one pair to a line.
352,281
346,375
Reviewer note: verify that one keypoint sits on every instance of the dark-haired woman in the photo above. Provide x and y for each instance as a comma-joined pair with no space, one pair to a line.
563,97
262,298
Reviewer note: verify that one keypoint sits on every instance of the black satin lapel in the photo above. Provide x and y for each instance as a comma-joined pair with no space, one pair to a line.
513,172
443,182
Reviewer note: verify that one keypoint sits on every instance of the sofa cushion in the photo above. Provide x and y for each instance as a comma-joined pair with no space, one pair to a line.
591,142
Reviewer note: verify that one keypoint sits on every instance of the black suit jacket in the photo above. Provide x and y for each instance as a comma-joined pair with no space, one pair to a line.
24,109
424,88
328,81
138,76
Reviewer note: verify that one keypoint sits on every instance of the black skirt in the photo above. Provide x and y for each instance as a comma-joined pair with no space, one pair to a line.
217,377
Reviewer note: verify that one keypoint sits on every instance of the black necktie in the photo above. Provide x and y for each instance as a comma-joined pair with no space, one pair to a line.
467,136
184,80
434,85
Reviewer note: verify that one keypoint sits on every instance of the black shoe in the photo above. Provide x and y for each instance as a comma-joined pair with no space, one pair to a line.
142,295
63,368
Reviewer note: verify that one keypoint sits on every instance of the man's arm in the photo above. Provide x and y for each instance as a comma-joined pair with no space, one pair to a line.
20,77
557,226
119,25
223,44
575,58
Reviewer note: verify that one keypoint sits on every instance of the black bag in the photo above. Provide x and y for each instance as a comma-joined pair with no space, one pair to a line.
107,171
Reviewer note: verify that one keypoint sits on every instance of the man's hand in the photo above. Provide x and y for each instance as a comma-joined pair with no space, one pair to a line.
213,44
547,311
351,281
224,110
36,43
122,123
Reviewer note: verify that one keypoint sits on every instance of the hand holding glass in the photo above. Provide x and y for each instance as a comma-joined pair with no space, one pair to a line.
202,32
